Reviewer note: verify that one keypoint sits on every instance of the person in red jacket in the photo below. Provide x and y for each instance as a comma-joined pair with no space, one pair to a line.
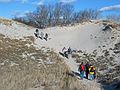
81,69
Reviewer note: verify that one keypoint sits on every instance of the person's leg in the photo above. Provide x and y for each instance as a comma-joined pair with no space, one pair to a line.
42,37
35,34
82,75
65,54
87,75
91,77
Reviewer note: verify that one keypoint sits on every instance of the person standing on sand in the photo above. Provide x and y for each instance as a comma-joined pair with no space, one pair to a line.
87,66
46,36
37,33
65,52
69,51
91,72
81,69
41,35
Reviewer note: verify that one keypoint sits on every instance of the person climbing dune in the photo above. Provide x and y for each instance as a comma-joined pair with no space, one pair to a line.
69,51
65,52
36,33
92,72
41,35
81,70
87,66
46,37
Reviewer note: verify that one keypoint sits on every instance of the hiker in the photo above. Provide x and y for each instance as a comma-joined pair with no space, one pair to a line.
37,33
87,66
107,27
41,35
81,69
91,72
69,51
46,36
64,49
65,52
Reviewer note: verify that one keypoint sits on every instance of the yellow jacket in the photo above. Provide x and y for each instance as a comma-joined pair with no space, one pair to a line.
91,72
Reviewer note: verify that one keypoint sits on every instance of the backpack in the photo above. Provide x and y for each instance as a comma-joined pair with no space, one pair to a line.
92,69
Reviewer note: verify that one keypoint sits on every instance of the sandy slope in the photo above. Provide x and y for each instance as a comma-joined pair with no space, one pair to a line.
77,37
87,37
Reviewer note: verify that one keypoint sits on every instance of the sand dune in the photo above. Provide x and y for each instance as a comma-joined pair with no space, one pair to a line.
86,37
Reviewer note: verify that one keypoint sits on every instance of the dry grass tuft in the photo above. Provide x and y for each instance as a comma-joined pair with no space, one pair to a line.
6,21
23,67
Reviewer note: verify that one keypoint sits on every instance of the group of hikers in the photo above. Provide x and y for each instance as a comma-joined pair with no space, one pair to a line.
87,71
66,52
41,35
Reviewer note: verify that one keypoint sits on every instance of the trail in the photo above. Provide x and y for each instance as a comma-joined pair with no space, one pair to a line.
89,85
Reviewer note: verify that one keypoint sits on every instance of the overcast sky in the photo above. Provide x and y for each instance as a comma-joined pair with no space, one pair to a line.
8,8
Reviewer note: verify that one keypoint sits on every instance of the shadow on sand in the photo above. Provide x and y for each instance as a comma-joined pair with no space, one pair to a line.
64,55
73,74
61,54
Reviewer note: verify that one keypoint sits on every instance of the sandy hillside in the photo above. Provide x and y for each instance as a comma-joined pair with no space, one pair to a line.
86,37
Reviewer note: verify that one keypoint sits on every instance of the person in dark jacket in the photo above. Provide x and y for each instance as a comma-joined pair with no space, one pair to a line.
69,51
46,36
87,66
37,33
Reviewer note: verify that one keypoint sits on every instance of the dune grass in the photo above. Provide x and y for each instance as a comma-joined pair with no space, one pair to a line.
23,67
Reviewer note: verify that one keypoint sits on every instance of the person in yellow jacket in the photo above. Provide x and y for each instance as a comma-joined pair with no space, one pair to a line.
92,72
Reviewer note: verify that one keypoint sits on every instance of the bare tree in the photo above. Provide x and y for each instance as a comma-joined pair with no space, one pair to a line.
50,15
67,11
93,14
39,17
34,19
75,17
113,17
42,12
86,15
58,13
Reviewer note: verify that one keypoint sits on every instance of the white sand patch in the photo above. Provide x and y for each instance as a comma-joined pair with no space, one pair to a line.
13,64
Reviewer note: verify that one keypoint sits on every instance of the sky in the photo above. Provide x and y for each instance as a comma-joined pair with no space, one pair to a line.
9,8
